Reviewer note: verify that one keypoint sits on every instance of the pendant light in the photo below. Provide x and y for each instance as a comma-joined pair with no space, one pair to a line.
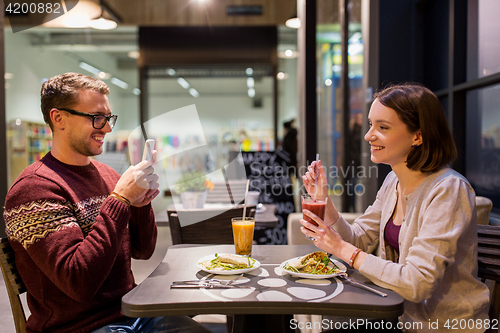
107,20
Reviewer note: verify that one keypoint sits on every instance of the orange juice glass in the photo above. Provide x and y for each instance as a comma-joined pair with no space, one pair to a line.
243,235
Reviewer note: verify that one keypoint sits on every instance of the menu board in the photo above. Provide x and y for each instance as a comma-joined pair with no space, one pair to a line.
268,174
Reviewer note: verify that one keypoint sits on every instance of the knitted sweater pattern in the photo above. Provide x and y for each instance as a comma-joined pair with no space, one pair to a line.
73,244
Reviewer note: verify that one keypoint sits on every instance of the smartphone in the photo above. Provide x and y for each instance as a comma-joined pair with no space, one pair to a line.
149,146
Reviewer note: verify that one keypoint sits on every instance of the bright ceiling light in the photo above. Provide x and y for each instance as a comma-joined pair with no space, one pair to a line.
77,21
194,93
79,15
184,84
119,83
249,71
250,82
136,91
282,76
103,24
89,68
107,20
288,54
293,23
328,82
133,54
251,92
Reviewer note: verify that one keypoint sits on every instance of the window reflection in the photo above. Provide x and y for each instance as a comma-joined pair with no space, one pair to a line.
483,142
484,47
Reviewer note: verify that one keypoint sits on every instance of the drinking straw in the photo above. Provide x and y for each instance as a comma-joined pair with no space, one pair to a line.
316,177
245,204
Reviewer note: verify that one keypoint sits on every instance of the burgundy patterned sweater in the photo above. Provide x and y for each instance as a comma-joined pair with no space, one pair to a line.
73,244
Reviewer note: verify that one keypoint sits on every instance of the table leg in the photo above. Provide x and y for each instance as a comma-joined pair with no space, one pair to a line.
262,323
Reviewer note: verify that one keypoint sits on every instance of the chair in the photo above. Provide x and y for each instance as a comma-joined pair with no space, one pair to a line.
483,206
488,255
204,226
235,194
13,283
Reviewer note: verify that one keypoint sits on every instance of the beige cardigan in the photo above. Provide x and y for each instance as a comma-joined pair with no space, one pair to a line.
436,272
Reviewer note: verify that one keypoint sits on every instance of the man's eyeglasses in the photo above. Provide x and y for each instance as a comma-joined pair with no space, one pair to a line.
98,120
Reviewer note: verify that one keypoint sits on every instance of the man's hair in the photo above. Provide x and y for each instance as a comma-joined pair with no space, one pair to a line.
61,91
420,109
288,124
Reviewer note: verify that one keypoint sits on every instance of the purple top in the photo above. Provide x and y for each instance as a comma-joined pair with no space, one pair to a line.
391,234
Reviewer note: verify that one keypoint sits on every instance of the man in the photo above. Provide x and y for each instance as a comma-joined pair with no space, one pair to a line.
290,146
75,224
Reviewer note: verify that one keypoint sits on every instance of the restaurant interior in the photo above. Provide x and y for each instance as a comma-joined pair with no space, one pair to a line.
242,69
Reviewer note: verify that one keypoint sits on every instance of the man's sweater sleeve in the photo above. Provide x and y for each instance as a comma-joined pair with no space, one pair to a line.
49,229
143,232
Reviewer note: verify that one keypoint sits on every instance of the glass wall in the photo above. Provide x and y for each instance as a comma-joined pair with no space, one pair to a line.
234,110
483,142
36,54
483,50
331,133
483,104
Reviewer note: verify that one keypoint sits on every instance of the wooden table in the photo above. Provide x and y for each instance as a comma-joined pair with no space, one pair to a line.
272,292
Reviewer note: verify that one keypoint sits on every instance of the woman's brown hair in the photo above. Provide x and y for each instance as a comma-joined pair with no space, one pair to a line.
421,110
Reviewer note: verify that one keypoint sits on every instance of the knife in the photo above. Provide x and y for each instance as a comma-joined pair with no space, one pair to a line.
344,275
205,285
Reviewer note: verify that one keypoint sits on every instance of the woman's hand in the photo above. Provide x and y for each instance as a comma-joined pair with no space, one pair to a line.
319,189
325,237
315,180
329,240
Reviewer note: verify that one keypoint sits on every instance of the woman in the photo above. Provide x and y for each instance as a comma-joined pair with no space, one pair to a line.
424,216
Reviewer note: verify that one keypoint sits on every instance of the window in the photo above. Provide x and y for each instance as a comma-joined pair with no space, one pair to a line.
484,41
483,142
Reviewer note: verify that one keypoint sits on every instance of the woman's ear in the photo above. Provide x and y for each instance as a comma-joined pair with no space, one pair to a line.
57,119
417,141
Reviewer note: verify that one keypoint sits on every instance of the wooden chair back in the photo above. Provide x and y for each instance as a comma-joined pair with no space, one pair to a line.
488,255
193,226
13,283
232,192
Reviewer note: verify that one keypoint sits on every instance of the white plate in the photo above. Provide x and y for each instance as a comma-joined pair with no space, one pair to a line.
256,265
340,265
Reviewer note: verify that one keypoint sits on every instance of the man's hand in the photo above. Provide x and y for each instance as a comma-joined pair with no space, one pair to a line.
139,184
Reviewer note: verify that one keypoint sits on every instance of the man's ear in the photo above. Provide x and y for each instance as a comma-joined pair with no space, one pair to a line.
417,141
57,119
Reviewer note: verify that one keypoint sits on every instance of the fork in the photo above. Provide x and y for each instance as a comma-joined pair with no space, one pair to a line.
360,285
221,282
230,282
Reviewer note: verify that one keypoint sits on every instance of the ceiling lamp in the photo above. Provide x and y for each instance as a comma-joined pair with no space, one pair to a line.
77,14
107,20
293,22
288,54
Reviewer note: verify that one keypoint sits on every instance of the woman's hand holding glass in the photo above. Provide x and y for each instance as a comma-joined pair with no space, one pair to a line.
316,184
325,237
315,181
